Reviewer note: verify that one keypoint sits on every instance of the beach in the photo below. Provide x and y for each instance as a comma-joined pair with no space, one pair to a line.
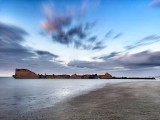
122,101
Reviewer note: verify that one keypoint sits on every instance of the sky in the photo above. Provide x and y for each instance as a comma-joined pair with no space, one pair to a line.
120,37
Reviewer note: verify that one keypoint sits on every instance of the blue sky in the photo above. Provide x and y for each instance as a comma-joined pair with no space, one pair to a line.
121,37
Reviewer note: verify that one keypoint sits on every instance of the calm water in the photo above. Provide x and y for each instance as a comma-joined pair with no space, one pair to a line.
27,95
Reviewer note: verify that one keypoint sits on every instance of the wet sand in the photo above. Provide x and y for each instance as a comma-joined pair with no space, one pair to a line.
123,101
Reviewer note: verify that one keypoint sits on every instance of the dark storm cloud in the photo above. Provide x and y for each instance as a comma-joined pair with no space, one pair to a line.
145,41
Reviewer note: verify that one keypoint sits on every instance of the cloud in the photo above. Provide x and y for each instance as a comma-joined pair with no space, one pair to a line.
92,39
13,54
143,42
10,44
82,64
117,36
11,48
109,34
99,46
56,21
46,54
155,3
89,26
10,33
69,36
17,51
111,55
77,31
142,60
106,65
66,28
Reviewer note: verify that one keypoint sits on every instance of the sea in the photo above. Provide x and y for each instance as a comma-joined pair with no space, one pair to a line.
23,95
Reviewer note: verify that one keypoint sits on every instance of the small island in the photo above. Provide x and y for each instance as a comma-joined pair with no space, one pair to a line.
27,74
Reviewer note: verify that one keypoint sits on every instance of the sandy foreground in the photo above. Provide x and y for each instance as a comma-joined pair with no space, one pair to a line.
123,101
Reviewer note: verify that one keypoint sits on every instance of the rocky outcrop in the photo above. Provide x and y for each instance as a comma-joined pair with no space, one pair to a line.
106,76
62,76
75,76
25,74
94,76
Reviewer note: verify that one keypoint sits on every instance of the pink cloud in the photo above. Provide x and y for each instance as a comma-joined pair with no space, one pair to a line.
56,21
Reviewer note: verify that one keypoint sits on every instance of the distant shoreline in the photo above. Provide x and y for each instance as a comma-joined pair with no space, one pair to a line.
27,74
133,78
